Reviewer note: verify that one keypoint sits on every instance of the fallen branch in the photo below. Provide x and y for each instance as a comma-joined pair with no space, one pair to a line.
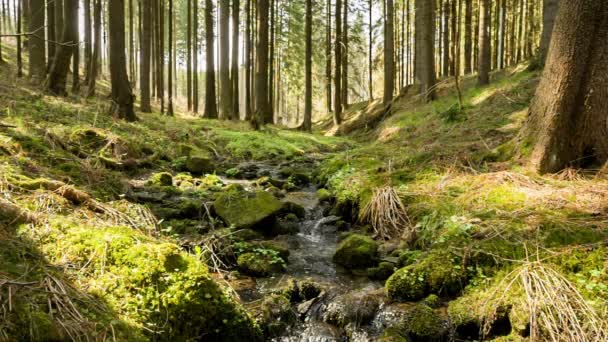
14,214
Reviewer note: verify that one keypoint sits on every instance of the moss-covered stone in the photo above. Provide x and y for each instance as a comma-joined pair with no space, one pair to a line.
160,179
323,195
275,315
438,272
393,334
357,308
424,323
280,247
199,164
247,209
261,263
357,251
382,271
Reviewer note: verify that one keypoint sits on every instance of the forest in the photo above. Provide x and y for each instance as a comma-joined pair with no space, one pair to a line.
306,170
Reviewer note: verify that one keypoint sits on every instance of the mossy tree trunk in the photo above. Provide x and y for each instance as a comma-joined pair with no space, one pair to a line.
569,114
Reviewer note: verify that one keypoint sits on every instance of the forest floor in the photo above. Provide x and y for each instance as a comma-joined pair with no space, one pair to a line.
110,229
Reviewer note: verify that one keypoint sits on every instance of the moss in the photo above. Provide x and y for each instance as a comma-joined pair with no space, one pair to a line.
356,251
261,263
381,272
280,247
275,315
425,323
246,235
247,210
438,272
324,195
160,179
393,334
432,301
309,289
199,164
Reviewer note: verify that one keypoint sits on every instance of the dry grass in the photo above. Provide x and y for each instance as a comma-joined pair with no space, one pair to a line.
555,308
387,214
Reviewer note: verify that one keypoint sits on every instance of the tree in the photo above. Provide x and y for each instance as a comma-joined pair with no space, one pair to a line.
485,57
389,53
328,57
210,104
195,56
145,56
76,51
88,50
189,52
248,52
502,23
468,36
370,53
549,12
234,74
225,84
19,58
568,115
445,56
171,61
36,46
122,96
307,123
262,105
338,67
94,67
56,81
425,48
344,87
50,32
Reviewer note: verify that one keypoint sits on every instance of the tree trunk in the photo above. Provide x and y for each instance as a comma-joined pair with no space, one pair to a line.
502,23
88,51
189,52
76,51
210,104
171,61
549,12
225,84
468,36
370,56
234,74
248,52
270,114
338,67
453,31
389,53
567,123
145,56
122,97
36,44
160,63
57,79
328,58
445,32
50,32
131,46
345,56
307,123
262,107
19,46
425,48
485,57
195,54
94,67
520,32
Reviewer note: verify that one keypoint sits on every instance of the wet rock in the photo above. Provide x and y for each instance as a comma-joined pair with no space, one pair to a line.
248,171
438,272
247,235
199,165
260,264
297,176
413,322
247,209
275,315
358,308
294,208
381,272
357,251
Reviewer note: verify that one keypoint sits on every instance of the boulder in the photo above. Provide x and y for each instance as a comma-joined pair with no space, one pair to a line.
248,209
261,264
199,164
160,179
357,251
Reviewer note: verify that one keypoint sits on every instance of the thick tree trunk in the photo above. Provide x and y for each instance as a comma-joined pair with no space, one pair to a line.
445,33
468,36
425,48
502,23
210,104
57,79
485,57
36,44
248,52
568,116
370,54
549,12
307,123
328,100
170,64
345,56
145,57
76,52
94,67
224,41
262,106
50,32
122,97
195,55
88,51
234,74
389,53
338,67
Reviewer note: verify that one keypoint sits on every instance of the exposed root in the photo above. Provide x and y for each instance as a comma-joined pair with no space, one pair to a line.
556,310
387,215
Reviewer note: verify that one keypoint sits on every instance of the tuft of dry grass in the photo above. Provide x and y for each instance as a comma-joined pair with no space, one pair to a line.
387,214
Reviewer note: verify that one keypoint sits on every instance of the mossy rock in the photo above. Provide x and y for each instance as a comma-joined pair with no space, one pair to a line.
358,308
438,273
357,251
298,291
160,179
324,195
280,247
297,176
247,235
381,272
425,324
294,208
247,209
393,334
275,315
261,263
199,164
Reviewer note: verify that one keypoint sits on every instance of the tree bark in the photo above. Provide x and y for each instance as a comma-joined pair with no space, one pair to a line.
50,32
389,53
248,52
88,51
122,97
338,67
210,104
145,57
425,48
234,74
271,62
445,32
549,12
36,44
189,53
328,100
225,84
485,57
502,23
170,111
76,52
94,67
370,54
19,46
468,36
57,79
568,116
307,123
195,54
345,56
262,107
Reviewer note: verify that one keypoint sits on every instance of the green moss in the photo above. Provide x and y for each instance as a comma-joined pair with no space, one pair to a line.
261,263
160,179
393,334
280,247
275,315
245,209
356,251
381,272
324,195
425,323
